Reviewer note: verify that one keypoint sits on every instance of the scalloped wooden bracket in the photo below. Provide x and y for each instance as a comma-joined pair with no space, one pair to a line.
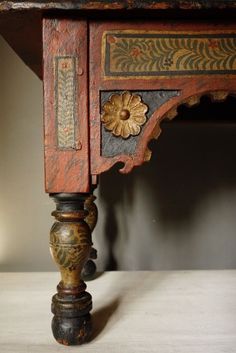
152,129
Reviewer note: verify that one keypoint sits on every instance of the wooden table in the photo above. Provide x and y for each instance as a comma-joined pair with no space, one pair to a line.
112,72
135,312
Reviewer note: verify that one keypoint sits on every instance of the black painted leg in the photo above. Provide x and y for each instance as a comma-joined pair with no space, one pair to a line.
70,245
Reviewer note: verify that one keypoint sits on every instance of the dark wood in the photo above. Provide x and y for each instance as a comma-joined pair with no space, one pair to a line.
21,21
70,244
115,4
23,32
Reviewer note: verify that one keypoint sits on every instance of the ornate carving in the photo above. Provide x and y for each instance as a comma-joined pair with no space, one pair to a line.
219,96
70,245
148,54
113,146
193,100
124,114
65,101
216,96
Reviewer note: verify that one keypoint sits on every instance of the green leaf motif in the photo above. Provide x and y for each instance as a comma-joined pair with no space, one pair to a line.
65,102
157,54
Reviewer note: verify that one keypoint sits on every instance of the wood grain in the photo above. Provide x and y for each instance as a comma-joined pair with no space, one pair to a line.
66,169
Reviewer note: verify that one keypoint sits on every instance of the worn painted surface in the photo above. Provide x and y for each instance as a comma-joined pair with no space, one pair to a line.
66,106
21,25
65,91
201,59
70,246
186,84
113,146
156,53
116,4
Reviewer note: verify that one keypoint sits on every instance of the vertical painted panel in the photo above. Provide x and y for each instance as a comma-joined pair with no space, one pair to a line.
66,105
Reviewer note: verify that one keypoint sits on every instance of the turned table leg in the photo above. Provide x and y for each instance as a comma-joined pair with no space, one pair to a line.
89,269
70,246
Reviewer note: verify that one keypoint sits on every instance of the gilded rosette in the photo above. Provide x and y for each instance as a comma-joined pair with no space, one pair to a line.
124,114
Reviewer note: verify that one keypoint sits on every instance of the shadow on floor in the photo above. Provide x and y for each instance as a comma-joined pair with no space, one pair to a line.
102,316
190,162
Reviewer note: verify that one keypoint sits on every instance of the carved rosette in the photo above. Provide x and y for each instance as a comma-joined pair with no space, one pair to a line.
124,114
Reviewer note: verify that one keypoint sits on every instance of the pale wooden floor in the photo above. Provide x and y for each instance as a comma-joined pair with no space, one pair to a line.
161,312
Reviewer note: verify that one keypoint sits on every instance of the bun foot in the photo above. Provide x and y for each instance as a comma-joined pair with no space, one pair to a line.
72,331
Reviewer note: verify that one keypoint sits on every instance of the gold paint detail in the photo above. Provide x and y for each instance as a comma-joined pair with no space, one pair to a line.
147,155
171,114
92,216
124,114
219,96
65,90
139,54
192,101
70,246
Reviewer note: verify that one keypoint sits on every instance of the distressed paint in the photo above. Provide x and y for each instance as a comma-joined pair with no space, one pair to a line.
164,54
66,105
112,146
70,245
116,5
104,158
65,90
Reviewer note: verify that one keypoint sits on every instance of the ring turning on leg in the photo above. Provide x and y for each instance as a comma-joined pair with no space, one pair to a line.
70,246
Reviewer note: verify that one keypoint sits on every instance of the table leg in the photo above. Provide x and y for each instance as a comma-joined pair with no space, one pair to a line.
70,246
89,269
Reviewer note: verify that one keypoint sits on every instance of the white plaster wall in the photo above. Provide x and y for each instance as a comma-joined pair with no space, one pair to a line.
177,212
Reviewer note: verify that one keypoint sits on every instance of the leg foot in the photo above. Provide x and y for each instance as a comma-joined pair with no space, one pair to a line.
70,245
71,324
72,331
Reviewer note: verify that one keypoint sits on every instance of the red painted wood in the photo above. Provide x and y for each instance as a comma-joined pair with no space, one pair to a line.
188,86
66,170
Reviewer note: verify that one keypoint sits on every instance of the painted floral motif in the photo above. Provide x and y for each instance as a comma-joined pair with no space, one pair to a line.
140,54
124,114
65,101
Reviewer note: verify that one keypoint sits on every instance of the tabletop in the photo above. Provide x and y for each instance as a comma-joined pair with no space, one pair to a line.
21,21
115,4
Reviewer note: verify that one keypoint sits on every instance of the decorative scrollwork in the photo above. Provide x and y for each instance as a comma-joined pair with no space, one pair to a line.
124,114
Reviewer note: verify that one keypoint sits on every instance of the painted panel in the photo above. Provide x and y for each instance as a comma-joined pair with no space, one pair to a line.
65,89
131,53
